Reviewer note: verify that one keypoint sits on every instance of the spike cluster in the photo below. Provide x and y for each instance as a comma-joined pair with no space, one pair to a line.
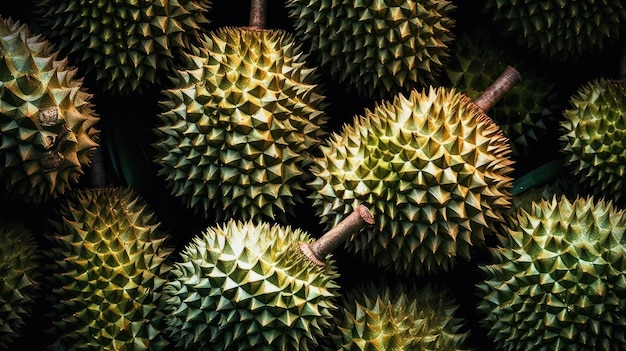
594,134
560,29
128,44
246,286
557,281
379,47
377,318
47,121
19,279
236,132
109,268
525,112
434,170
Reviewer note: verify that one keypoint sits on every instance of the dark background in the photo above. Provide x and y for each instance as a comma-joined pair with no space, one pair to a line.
131,118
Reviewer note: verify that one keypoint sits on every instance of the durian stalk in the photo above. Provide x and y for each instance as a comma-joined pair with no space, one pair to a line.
258,10
360,218
622,68
98,175
498,88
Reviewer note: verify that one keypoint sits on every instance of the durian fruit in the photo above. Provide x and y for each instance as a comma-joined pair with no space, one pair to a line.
384,317
557,281
593,133
19,280
433,168
237,129
381,47
127,45
526,111
108,267
560,29
47,121
258,286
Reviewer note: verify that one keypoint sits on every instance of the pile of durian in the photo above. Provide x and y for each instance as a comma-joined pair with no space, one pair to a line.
313,175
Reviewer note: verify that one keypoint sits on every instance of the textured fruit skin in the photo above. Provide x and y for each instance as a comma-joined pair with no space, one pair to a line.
383,317
560,29
433,169
524,112
109,265
247,286
19,279
379,47
127,44
236,131
556,281
593,132
47,121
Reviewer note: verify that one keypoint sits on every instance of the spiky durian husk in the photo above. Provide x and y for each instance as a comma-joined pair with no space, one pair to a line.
525,111
381,47
246,286
432,167
560,29
47,122
237,128
127,44
108,269
593,133
19,279
557,280
379,317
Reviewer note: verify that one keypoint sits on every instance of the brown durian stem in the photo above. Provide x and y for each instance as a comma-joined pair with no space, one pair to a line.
360,218
258,14
622,63
98,175
497,89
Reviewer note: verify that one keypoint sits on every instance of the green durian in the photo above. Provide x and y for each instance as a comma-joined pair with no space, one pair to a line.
248,286
432,167
381,47
557,281
108,267
383,317
236,132
526,111
560,29
19,280
126,45
593,133
47,121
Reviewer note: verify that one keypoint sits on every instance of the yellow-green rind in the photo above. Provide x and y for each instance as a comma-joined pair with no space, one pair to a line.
247,286
593,133
560,29
381,47
126,45
380,317
432,168
19,280
47,121
108,268
556,281
237,128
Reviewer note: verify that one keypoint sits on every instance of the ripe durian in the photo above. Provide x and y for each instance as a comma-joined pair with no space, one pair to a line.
526,111
107,272
19,279
560,29
557,281
380,48
434,170
594,136
47,121
237,128
382,317
127,44
253,286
